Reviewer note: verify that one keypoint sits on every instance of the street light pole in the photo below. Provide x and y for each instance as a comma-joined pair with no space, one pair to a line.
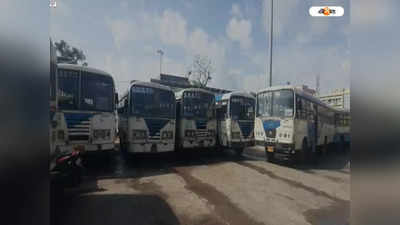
159,51
271,21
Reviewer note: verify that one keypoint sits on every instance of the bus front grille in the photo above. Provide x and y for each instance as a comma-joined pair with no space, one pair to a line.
201,133
78,125
201,124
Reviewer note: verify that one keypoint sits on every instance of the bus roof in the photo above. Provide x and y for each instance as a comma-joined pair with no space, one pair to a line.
151,85
299,92
179,94
236,93
82,68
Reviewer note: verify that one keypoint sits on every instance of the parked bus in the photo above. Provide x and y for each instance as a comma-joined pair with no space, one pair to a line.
147,118
85,109
342,129
235,120
292,123
196,119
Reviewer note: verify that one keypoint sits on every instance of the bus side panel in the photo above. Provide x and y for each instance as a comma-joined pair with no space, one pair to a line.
223,132
259,132
300,133
123,128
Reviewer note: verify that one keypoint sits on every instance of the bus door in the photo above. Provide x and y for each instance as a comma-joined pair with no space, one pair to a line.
312,126
316,124
221,119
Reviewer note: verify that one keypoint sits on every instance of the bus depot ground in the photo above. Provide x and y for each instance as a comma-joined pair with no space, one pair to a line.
208,188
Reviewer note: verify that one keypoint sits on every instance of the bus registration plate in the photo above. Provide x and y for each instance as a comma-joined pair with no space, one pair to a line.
270,148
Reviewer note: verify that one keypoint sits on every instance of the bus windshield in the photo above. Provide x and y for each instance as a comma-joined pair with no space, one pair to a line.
152,102
68,89
97,92
275,103
91,92
242,108
198,104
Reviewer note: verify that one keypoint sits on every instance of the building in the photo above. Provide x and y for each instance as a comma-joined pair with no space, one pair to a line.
307,89
178,82
339,98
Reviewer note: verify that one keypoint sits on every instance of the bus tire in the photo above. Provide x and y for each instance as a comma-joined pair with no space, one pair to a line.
342,144
270,156
305,153
325,146
122,145
239,151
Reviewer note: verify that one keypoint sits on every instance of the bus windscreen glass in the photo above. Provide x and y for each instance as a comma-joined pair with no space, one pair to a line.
198,104
152,102
97,92
242,108
275,103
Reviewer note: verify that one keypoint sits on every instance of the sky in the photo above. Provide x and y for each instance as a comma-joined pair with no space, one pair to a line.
122,38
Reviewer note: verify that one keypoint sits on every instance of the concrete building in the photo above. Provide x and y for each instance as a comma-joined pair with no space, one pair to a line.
307,89
178,82
339,98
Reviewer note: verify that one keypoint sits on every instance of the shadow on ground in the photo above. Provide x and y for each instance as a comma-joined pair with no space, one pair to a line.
116,209
333,160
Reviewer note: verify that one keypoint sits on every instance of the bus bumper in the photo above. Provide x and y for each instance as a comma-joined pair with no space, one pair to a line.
282,149
150,147
198,143
241,144
88,147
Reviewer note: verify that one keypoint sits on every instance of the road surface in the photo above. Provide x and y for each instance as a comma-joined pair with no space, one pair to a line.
208,189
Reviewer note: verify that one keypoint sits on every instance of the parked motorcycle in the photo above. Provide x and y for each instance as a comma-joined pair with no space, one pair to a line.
66,169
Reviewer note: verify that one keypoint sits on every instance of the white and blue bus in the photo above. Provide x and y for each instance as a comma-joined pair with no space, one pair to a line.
235,120
146,115
196,119
292,123
85,109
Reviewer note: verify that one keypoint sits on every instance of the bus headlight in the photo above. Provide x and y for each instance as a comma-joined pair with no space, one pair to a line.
139,134
60,135
101,134
235,135
167,135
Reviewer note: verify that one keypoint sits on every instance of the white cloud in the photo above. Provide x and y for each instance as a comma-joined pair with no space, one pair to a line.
240,30
235,11
122,30
172,28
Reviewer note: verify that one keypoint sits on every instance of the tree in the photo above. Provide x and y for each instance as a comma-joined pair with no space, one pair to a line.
200,71
68,54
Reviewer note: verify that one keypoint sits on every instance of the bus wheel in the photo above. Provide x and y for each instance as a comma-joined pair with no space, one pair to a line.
122,146
270,156
325,146
239,151
342,144
305,155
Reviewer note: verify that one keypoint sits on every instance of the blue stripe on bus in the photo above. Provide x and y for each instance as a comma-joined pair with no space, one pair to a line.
271,124
246,127
155,125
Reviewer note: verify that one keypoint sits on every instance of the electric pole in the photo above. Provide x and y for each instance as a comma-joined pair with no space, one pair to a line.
271,21
159,51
